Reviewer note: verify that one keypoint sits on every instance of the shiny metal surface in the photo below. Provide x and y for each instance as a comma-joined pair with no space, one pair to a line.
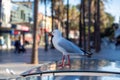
79,65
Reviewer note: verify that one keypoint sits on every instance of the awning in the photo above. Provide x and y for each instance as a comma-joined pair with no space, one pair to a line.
20,27
5,26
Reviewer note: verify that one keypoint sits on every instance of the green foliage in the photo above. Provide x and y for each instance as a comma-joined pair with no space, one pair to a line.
110,18
109,32
60,12
74,17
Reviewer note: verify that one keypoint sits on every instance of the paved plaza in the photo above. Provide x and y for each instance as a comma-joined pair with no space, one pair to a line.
20,62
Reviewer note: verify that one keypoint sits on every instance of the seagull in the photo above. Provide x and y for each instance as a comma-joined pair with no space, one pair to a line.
66,47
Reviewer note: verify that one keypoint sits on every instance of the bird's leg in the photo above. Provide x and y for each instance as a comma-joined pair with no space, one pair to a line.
68,61
62,64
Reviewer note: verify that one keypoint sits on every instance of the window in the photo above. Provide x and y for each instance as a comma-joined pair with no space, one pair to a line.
22,15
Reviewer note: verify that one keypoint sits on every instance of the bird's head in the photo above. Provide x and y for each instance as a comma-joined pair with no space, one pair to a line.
56,32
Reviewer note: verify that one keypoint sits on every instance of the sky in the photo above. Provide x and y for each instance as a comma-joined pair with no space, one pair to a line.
112,7
41,8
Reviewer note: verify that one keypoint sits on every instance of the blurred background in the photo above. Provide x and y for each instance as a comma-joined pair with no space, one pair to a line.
85,22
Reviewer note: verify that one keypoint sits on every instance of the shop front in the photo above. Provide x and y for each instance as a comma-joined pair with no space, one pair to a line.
5,32
10,32
19,32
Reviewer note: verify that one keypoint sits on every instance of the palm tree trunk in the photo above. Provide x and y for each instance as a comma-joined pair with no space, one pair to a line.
0,10
97,27
84,31
34,57
80,26
89,23
52,5
46,34
67,26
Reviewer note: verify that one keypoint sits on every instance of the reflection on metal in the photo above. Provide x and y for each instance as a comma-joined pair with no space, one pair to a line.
86,68
82,73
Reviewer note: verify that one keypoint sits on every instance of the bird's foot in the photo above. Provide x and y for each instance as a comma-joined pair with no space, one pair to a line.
68,65
60,65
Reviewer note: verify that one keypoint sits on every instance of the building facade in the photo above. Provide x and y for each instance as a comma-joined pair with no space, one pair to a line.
5,25
21,17
15,20
21,13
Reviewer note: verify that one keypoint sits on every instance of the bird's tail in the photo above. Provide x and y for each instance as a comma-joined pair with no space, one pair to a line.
87,53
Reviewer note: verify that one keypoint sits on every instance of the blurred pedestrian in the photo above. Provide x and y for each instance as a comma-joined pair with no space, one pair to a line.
22,48
17,46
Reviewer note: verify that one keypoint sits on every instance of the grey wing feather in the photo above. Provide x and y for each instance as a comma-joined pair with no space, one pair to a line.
69,46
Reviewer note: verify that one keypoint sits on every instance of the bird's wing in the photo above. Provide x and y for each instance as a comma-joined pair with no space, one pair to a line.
69,46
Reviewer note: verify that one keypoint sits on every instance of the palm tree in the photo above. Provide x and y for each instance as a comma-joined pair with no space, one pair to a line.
79,7
73,19
80,29
94,14
46,39
89,23
84,26
45,33
100,18
0,9
97,39
52,5
67,24
34,59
